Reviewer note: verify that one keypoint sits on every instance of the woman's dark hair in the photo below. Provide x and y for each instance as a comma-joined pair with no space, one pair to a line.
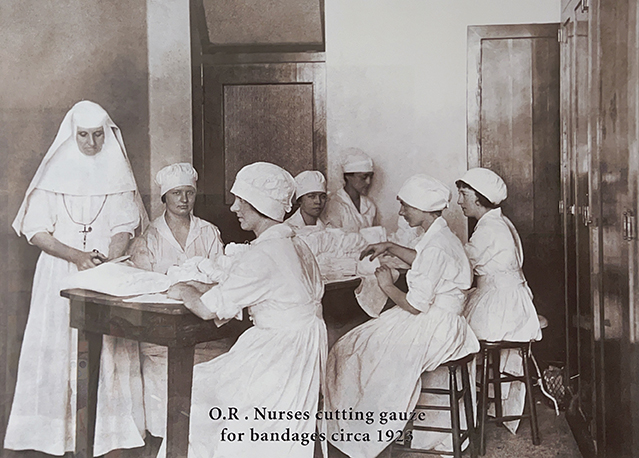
483,200
163,198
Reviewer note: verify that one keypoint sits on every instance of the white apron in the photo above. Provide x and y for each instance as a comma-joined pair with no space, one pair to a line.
376,367
501,307
274,366
44,406
158,250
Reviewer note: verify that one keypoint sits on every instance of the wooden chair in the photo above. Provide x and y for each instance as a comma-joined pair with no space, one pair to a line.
454,394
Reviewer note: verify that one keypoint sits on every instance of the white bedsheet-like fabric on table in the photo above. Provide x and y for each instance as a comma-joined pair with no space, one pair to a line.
118,279
501,307
376,367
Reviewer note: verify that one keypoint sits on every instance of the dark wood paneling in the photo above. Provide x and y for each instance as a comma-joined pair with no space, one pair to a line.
273,112
273,121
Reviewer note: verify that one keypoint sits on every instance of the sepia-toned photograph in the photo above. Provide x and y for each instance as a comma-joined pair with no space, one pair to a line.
319,228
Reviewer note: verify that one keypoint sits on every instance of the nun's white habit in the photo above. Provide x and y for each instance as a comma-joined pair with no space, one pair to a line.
70,194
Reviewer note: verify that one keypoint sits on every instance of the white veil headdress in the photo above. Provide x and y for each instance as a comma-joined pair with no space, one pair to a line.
66,170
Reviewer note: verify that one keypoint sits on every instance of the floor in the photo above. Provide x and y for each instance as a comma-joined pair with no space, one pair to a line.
556,439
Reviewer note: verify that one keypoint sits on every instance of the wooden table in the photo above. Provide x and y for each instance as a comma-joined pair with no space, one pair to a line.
173,326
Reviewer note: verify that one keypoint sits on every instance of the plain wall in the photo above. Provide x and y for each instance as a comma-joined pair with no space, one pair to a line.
396,86
170,103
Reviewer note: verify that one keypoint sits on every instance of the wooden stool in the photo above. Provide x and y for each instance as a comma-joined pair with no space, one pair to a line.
490,352
454,395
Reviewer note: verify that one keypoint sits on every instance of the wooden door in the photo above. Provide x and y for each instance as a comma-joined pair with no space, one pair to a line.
257,107
513,129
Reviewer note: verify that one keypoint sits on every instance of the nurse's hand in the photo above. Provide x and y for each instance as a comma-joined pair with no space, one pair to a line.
374,250
384,276
88,259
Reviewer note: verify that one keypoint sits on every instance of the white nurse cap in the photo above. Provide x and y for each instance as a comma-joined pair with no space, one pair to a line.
355,160
425,193
175,175
268,187
309,181
487,183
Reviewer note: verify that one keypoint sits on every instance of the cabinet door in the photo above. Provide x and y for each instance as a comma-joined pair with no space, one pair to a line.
613,134
582,335
257,111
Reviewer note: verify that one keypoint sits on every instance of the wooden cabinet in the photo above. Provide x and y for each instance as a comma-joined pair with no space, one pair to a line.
599,103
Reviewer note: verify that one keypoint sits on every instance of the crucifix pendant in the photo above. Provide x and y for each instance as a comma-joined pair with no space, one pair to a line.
85,230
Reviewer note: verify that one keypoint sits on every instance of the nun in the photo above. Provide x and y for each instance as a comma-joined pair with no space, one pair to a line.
271,377
170,240
350,208
377,366
501,307
310,192
81,209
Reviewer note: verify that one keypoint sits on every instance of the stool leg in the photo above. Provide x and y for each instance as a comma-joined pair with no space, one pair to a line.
454,411
468,408
529,397
496,354
483,403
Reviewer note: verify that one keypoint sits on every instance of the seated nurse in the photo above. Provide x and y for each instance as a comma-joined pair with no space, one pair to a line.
376,367
276,365
171,239
310,192
501,307
350,208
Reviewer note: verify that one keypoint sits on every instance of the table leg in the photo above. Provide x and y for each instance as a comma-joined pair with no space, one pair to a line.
89,349
180,380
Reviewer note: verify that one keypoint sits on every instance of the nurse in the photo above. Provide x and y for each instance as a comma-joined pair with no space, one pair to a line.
350,208
310,192
376,367
276,365
501,307
81,209
171,239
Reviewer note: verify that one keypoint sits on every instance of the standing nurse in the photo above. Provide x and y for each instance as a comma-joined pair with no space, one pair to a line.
80,209
501,307
350,208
